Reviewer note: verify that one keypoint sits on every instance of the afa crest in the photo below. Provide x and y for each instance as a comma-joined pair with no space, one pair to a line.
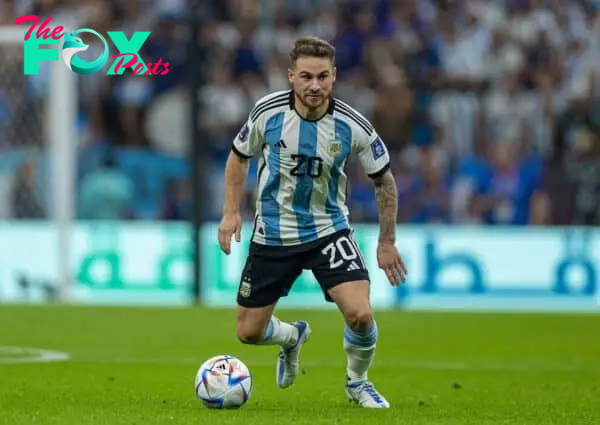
335,147
245,289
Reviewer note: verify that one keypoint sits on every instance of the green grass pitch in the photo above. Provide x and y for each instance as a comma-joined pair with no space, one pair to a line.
136,366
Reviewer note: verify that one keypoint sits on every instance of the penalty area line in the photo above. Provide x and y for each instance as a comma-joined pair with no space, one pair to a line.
531,366
16,355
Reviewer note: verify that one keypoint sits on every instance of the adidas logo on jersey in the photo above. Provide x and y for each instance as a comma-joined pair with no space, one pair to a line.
260,227
353,266
281,145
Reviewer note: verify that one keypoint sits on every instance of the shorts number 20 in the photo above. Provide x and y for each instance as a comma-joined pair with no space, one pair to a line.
344,247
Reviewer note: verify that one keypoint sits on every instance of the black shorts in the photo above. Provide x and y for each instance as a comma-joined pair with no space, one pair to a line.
270,271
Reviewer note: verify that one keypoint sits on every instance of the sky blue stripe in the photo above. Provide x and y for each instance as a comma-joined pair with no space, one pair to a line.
307,146
343,133
361,340
269,331
372,333
270,208
366,342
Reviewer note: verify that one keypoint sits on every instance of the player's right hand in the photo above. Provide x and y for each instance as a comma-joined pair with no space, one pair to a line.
230,224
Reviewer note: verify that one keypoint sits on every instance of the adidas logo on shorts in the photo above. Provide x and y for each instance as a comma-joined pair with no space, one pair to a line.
353,266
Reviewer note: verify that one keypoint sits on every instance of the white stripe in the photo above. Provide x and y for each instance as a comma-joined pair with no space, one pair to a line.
30,355
263,100
288,222
353,241
258,238
341,195
533,366
360,117
12,35
323,221
326,231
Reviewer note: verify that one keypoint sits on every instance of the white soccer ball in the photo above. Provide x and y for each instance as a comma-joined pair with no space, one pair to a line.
223,382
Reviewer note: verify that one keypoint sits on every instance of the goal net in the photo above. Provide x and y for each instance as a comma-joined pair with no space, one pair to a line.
37,174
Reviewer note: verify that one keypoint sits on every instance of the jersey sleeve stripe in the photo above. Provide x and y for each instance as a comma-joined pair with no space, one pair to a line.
240,154
268,102
271,97
367,130
267,107
262,168
381,172
354,113
275,99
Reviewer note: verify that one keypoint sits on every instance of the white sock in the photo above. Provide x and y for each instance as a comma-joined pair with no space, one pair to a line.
360,350
280,333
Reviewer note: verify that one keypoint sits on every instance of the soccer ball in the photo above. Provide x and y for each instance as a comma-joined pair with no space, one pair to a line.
223,382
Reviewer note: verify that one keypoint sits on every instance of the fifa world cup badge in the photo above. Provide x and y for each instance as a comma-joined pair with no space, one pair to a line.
243,133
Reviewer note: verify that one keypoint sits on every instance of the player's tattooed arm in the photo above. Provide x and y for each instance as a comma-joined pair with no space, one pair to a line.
388,258
387,202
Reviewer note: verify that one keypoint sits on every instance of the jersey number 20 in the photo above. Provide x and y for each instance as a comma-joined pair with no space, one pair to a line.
311,166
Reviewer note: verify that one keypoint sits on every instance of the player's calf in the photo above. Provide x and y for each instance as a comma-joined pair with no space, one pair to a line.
360,330
274,332
252,323
290,337
251,336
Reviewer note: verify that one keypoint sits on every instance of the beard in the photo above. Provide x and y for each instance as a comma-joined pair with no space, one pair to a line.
313,101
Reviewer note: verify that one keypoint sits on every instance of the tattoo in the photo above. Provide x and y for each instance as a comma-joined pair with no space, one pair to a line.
387,202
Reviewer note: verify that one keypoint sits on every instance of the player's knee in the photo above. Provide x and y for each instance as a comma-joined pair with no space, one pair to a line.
249,335
360,319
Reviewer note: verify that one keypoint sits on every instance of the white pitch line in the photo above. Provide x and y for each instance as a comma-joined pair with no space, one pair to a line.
38,355
400,364
30,355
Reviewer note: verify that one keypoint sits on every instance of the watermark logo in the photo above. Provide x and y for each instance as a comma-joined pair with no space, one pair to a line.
128,50
73,44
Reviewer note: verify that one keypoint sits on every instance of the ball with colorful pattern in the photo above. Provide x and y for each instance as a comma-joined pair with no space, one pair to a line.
223,382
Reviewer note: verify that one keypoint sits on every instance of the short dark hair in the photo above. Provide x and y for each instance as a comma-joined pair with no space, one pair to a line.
314,47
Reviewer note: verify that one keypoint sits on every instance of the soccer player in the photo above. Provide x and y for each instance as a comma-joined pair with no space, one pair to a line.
304,138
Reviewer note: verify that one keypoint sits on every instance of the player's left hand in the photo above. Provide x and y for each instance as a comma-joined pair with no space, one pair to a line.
391,263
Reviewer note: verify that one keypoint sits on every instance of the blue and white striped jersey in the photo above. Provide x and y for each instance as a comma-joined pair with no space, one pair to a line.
301,179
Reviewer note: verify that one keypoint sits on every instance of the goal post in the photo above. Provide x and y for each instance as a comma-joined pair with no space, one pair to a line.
56,127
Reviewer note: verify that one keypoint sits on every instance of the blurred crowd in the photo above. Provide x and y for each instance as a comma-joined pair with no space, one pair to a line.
490,108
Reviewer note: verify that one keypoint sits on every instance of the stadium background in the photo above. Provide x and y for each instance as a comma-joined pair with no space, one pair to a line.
493,128
490,109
